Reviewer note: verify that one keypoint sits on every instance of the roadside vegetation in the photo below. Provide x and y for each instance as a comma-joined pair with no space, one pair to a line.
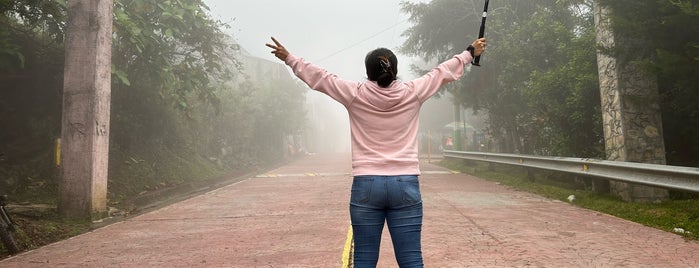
185,112
538,85
679,214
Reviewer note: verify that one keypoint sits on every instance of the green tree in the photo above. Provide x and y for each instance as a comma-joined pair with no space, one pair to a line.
177,37
27,22
562,91
31,81
538,79
166,53
180,98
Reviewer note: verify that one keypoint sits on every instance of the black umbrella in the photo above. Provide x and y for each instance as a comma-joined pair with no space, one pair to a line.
481,33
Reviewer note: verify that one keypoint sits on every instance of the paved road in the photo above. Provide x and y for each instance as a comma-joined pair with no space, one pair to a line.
297,216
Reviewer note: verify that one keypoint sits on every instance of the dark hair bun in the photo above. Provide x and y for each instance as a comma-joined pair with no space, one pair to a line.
385,79
381,66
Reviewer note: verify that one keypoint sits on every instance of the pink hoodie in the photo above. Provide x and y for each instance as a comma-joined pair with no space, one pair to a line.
383,121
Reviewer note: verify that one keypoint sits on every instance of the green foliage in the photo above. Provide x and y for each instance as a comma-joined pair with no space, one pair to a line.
563,99
31,65
538,82
24,20
438,27
43,226
170,47
181,109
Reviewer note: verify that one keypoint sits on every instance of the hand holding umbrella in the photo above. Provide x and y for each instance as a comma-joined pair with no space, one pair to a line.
481,33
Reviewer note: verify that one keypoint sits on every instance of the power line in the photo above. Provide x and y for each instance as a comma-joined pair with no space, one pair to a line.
364,40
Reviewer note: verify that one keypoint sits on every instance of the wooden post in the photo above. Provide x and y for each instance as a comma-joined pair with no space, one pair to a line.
429,146
86,108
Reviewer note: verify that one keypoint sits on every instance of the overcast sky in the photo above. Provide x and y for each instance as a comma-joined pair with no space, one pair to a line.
333,34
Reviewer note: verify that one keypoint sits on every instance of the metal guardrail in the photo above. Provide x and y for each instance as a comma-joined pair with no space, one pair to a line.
663,176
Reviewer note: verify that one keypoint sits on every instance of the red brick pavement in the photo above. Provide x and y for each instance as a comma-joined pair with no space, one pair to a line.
297,216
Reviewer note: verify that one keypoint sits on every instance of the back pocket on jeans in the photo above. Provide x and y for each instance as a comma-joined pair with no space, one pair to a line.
410,186
361,189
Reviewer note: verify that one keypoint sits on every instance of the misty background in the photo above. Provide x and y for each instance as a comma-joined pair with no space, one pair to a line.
335,35
189,106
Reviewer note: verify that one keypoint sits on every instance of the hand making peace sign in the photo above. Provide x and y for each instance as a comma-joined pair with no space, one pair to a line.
278,50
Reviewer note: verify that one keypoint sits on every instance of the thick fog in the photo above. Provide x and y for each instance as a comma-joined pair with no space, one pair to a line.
335,35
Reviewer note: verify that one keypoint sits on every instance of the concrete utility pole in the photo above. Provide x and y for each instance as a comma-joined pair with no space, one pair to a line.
630,110
86,105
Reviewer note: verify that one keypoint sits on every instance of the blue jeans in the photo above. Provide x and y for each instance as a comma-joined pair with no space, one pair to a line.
395,200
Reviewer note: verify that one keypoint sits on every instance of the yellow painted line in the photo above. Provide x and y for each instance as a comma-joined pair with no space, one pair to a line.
348,251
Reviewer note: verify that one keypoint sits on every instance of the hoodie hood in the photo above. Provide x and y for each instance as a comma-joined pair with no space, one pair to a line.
384,98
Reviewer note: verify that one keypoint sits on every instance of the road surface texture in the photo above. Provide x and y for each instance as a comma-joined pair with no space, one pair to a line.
297,216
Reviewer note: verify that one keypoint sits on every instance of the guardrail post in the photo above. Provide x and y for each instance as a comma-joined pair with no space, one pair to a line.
530,174
600,186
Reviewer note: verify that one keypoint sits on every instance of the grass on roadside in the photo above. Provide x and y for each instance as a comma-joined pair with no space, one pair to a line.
680,214
37,228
